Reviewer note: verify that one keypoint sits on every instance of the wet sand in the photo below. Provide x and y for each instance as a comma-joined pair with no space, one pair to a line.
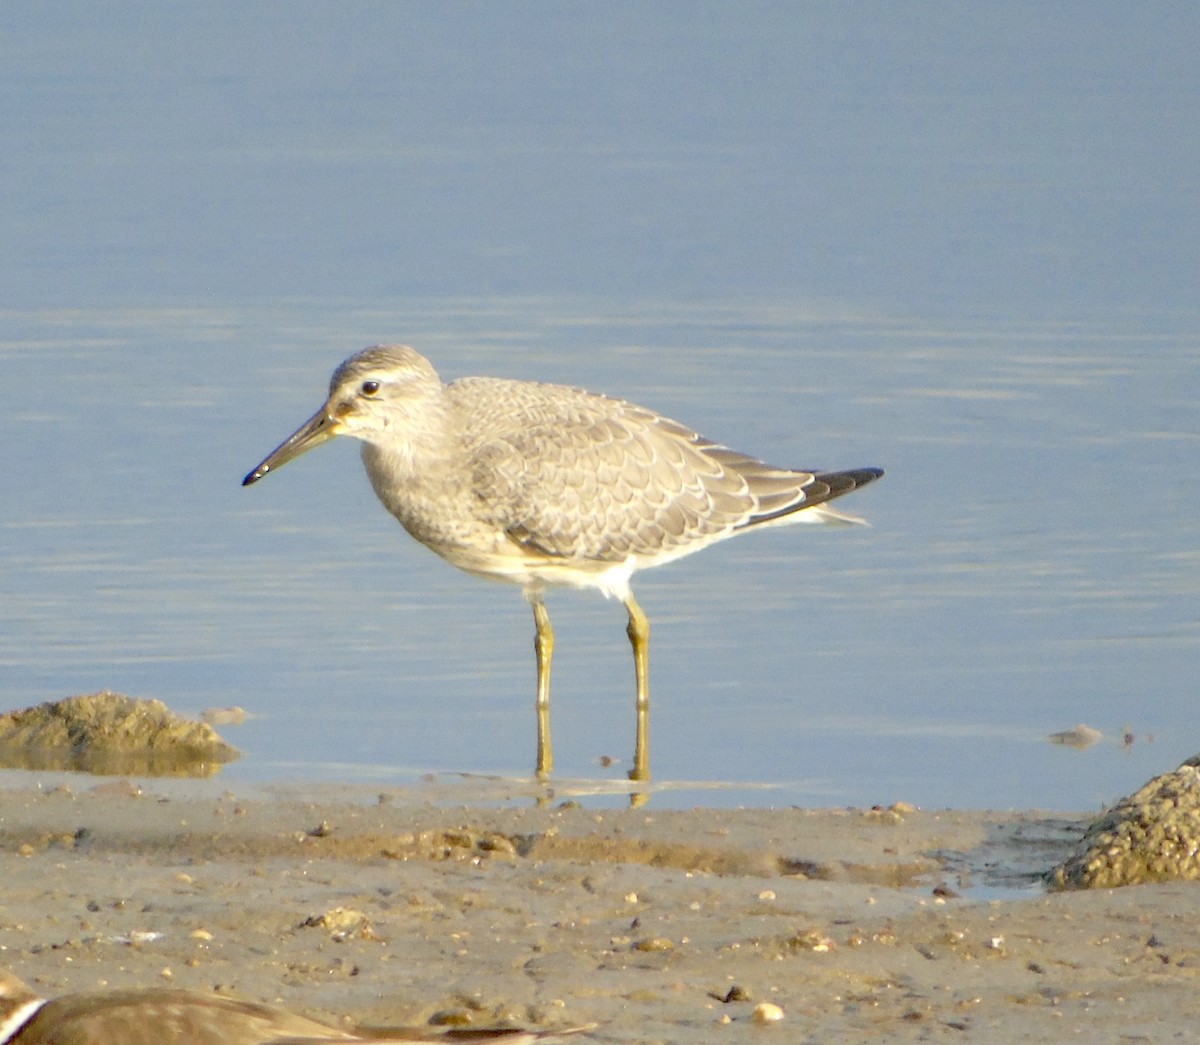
661,926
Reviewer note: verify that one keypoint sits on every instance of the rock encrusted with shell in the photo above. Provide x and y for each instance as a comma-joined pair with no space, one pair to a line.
1152,835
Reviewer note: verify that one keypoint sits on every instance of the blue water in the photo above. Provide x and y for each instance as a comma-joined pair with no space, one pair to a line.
959,243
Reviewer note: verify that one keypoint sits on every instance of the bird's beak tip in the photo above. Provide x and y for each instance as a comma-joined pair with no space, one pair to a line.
319,428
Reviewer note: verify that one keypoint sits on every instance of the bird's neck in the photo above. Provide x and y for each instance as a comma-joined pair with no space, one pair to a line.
417,475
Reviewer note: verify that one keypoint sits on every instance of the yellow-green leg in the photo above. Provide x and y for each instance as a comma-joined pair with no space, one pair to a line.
543,646
639,637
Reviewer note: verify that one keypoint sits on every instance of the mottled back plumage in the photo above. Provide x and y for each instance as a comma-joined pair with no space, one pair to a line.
580,476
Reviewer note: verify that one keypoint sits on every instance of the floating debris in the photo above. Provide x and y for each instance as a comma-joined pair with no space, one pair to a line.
231,716
1081,737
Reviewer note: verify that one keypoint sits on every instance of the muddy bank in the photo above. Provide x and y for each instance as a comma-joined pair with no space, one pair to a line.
661,926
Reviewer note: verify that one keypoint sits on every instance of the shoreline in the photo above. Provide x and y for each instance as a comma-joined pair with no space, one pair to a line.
411,906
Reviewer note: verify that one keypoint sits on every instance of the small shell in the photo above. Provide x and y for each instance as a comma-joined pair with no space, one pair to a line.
766,1012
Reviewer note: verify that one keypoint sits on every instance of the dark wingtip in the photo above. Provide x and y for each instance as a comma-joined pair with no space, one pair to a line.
862,476
254,476
843,482
825,486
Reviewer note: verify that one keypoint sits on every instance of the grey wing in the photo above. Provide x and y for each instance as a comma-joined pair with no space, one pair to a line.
587,477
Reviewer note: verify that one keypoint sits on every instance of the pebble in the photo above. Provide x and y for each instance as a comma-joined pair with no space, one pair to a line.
766,1012
654,943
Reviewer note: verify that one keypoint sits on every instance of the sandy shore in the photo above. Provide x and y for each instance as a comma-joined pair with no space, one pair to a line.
661,926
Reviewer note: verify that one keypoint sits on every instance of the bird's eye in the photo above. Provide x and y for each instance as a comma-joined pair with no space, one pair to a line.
370,388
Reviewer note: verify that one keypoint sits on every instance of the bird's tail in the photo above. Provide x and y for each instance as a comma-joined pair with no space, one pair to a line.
808,502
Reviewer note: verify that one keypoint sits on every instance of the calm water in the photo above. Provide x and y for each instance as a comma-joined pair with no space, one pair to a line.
960,245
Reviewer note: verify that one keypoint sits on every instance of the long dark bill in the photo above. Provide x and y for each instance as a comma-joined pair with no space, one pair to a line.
316,430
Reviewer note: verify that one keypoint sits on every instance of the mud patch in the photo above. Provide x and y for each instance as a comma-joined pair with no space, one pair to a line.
662,927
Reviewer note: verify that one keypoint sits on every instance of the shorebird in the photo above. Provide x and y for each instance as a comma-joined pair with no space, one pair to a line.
178,1017
545,485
